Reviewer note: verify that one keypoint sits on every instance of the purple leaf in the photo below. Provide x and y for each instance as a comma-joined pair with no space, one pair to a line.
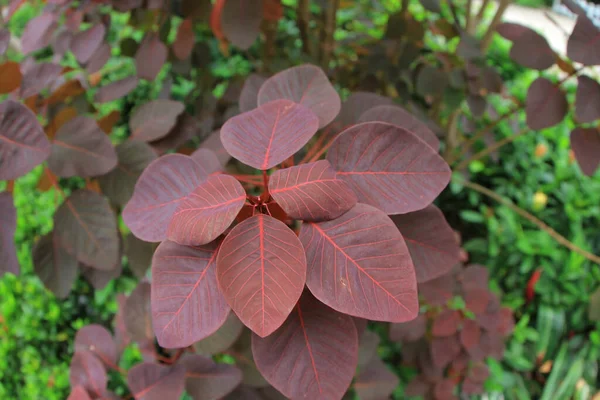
311,192
213,142
79,393
206,380
376,381
87,227
249,95
86,43
470,334
187,304
546,104
357,104
223,338
476,299
157,194
139,254
474,276
23,143
430,240
446,323
444,390
581,46
261,269
244,393
361,326
148,381
587,99
184,42
388,167
81,148
87,371
207,212
99,58
409,331
531,50
150,57
8,226
240,21
417,387
444,350
4,40
268,135
154,119
367,347
438,291
99,279
585,143
116,90
185,128
359,265
306,85
38,32
62,43
38,78
208,161
53,264
313,355
511,31
138,314
99,341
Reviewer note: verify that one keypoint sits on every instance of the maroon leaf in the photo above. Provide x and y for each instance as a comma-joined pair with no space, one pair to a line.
430,240
446,323
184,43
38,32
87,371
155,119
409,331
87,227
361,326
99,279
245,361
357,104
157,194
23,143
268,135
546,104
531,50
398,116
223,338
474,276
122,338
139,254
149,381
376,381
207,212
249,95
8,226
261,269
116,90
469,387
367,347
388,167
150,57
53,264
133,157
437,292
81,148
511,31
62,43
85,43
587,99
444,390
313,355
270,393
38,78
99,341
358,264
208,160
311,192
507,321
187,304
79,393
582,44
240,21
138,314
478,372
213,142
417,387
206,380
306,85
476,299
99,58
444,350
244,393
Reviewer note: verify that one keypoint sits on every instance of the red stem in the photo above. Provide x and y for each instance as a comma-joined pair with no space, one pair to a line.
266,195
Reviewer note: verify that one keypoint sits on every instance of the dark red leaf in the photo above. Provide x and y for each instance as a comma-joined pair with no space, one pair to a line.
531,50
582,44
444,390
470,334
586,146
149,381
38,32
116,90
249,95
474,276
87,227
187,304
206,380
358,264
398,116
444,350
311,192
270,134
245,361
478,372
511,31
357,104
184,43
53,264
431,242
85,43
81,148
306,85
417,387
98,340
185,129
388,167
409,331
38,78
150,57
546,104
213,142
361,326
138,314
139,254
23,143
376,381
469,387
79,393
207,211
62,43
99,58
155,119
587,99
261,269
313,355
223,338
446,323
208,160
122,338
367,347
8,226
99,279
476,299
87,371
157,194
437,292
507,321
244,393
240,21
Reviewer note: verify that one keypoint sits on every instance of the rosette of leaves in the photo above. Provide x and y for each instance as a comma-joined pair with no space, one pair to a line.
448,344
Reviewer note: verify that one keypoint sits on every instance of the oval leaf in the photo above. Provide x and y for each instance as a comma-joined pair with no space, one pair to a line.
206,380
10,77
23,143
87,371
8,226
270,134
446,323
187,304
359,264
184,43
223,338
531,50
587,99
79,393
99,58
116,90
249,95
139,254
38,78
240,21
311,192
138,314
388,167
261,269
376,381
581,46
150,57
470,334
55,267
208,161
155,119
313,355
149,381
409,331
98,340
357,104
546,104
207,211
586,146
307,85
85,43
38,32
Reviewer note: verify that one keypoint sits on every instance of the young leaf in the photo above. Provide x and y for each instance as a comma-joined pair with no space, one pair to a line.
207,212
139,254
8,226
157,194
222,339
240,21
81,148
249,95
99,341
138,314
357,104
270,134
446,323
150,57
587,99
581,46
38,78
306,85
388,167
53,264
155,119
206,380
149,381
187,304
87,371
79,393
311,192
546,104
38,32
23,143
376,381
358,264
85,43
261,269
87,227
116,90
431,242
313,355
184,43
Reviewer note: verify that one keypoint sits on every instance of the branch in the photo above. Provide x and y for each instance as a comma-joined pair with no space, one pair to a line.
491,149
302,21
329,25
479,16
489,34
469,18
539,223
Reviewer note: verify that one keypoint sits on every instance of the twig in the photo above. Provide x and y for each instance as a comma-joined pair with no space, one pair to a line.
489,34
491,149
469,17
329,25
302,20
452,135
481,12
539,223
